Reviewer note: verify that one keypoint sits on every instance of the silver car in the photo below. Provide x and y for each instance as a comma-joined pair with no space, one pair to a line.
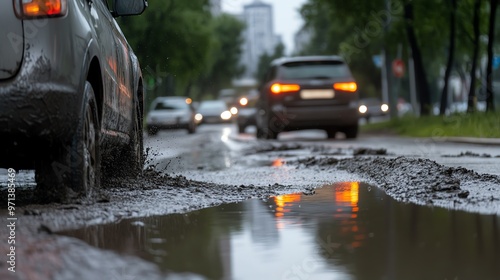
171,113
71,92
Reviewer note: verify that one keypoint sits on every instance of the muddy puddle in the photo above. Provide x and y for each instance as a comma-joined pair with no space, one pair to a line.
343,231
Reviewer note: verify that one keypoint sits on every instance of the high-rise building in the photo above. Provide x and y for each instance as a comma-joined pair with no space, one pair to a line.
215,7
259,35
301,39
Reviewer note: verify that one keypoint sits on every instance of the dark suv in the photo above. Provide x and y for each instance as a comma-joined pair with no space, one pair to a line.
308,92
71,91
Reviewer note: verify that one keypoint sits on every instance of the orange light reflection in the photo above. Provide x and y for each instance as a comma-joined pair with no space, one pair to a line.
282,201
278,162
348,193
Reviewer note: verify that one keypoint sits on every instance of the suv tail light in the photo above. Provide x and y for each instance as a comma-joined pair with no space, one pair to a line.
282,88
41,8
349,87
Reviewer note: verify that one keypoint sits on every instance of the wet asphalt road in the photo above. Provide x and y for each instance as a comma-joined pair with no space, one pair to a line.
217,166
225,139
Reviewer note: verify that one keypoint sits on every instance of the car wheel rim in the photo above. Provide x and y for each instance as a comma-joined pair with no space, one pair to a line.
89,151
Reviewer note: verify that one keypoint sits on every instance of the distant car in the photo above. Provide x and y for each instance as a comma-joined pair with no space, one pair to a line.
213,111
372,107
171,113
71,93
247,113
308,92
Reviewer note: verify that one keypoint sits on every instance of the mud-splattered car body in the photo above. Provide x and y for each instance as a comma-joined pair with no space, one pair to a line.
66,70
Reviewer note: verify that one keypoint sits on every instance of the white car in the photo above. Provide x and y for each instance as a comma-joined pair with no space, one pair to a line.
171,113
214,111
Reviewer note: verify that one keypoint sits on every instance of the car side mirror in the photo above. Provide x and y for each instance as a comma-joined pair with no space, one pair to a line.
129,7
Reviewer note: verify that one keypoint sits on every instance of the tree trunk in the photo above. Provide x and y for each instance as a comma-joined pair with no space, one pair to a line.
420,77
451,54
471,104
490,104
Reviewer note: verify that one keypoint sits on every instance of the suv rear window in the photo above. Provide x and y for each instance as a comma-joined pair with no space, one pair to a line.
314,70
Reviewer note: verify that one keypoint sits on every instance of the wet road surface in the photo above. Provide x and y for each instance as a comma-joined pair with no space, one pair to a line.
217,166
480,158
343,231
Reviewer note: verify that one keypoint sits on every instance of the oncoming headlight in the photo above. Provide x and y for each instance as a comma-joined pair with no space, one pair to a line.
363,109
226,115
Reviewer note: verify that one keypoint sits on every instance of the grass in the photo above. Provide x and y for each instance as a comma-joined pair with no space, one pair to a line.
484,125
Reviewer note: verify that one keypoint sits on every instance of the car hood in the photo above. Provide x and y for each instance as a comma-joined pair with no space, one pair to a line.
247,111
167,114
210,112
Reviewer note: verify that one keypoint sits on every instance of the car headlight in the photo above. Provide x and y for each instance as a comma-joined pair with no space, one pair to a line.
243,101
384,107
234,110
363,109
226,115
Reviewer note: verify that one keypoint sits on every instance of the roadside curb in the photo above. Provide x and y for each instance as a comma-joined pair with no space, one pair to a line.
474,140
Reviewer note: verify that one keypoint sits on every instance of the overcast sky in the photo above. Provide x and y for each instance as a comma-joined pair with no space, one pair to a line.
287,20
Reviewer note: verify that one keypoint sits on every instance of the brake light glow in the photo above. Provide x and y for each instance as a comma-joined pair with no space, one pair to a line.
282,88
349,87
43,8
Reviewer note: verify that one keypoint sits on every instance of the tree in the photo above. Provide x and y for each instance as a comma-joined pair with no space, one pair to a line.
358,30
451,53
172,40
471,104
225,55
489,67
420,75
266,59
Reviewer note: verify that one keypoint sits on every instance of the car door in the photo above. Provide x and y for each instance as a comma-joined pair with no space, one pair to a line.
124,79
103,27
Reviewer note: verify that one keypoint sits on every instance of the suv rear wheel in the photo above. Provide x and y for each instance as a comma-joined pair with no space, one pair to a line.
132,160
331,132
351,132
266,132
77,164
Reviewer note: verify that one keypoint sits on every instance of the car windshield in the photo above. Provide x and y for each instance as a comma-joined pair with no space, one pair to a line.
371,101
213,105
314,70
171,105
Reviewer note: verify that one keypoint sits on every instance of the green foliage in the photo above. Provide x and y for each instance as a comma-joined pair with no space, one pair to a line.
182,49
265,60
485,125
355,30
225,55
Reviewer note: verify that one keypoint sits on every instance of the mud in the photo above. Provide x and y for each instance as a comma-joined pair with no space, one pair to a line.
420,181
470,154
299,168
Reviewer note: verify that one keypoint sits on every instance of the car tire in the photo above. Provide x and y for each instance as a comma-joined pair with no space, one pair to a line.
191,128
266,132
241,128
351,132
77,164
132,159
331,132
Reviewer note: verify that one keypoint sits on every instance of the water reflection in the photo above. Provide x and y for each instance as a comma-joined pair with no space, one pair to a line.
344,231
